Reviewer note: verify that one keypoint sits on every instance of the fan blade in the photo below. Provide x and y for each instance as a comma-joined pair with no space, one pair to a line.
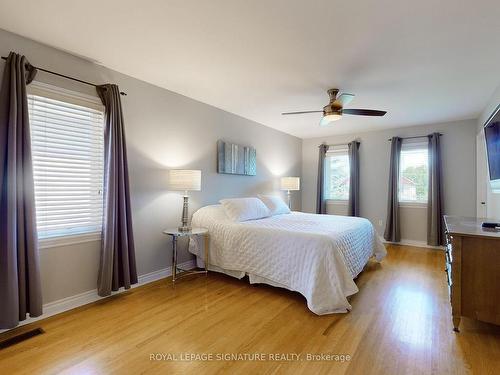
343,99
363,112
300,113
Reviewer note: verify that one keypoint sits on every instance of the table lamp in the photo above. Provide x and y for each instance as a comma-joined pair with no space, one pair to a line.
289,184
185,180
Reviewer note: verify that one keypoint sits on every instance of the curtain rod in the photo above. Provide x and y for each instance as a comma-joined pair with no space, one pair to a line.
416,136
67,77
339,144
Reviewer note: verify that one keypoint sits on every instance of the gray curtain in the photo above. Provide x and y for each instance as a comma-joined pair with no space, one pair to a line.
20,289
392,229
320,190
353,204
435,224
117,268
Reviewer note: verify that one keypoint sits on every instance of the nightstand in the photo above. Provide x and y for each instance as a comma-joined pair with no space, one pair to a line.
175,234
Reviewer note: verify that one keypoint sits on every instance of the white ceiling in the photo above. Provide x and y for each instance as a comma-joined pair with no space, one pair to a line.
423,61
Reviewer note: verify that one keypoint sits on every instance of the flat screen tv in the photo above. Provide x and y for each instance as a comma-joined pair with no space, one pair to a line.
492,136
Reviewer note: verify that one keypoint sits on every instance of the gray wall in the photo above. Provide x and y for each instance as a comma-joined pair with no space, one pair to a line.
458,146
164,130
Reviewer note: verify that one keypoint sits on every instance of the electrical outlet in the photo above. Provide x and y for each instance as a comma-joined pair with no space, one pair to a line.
380,223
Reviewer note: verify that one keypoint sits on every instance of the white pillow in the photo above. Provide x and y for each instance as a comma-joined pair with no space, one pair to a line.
275,204
242,209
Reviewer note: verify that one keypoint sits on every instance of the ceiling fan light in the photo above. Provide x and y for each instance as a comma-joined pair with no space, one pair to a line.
326,120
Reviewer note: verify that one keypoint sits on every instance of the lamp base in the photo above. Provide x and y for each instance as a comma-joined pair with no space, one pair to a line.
184,222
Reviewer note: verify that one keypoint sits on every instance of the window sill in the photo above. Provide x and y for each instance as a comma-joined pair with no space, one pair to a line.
46,243
337,202
413,204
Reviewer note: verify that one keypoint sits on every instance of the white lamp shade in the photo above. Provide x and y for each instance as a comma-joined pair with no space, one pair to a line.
327,120
290,183
184,179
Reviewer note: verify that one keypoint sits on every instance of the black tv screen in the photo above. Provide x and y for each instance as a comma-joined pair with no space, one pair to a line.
492,135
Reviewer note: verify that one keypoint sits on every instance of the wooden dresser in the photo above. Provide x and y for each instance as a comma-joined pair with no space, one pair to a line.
473,269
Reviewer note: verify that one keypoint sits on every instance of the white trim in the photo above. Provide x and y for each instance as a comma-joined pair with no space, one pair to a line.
337,202
338,149
72,302
47,243
414,144
412,243
55,92
412,204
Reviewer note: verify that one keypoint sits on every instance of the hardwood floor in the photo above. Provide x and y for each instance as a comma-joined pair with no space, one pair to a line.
400,324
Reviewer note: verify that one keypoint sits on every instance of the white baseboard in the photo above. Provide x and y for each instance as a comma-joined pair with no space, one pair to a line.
412,243
72,302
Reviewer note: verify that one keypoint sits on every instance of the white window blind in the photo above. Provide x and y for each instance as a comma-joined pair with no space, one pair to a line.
67,138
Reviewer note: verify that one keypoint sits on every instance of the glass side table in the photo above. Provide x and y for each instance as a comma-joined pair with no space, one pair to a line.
175,234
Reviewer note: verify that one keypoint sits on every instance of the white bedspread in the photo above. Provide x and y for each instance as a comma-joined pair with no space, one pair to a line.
315,255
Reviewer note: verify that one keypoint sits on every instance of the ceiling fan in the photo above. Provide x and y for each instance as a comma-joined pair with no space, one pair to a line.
334,110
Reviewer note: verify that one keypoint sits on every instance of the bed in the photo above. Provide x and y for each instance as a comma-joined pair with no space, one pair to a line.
318,256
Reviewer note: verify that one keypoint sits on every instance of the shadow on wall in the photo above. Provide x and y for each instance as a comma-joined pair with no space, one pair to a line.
155,208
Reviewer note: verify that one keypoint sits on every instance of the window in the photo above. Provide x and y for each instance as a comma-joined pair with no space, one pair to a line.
337,173
68,151
413,173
